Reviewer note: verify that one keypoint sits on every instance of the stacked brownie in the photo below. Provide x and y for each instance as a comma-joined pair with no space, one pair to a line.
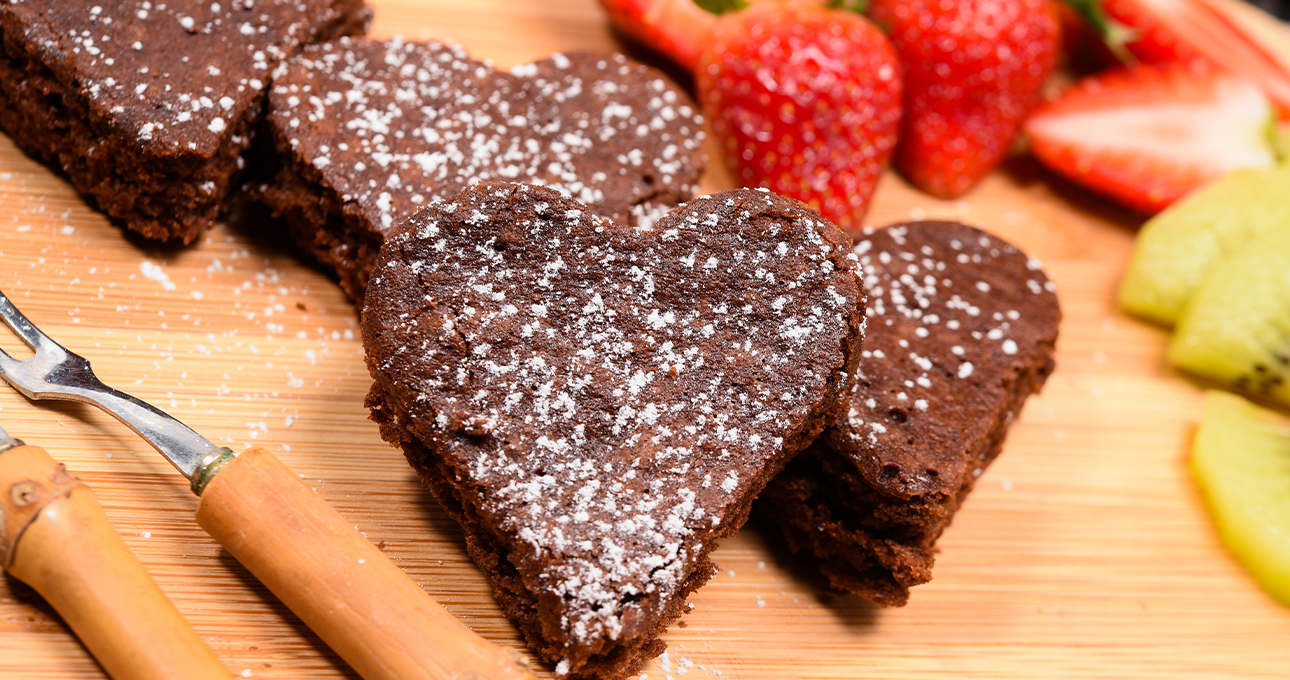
596,388
962,328
367,132
148,107
597,403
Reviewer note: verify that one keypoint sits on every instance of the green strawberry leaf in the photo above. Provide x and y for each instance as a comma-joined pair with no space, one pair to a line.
722,6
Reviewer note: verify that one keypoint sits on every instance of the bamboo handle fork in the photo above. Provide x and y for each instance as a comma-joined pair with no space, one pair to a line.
345,589
55,538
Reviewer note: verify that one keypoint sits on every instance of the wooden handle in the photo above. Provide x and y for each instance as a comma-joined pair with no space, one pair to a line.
58,541
371,613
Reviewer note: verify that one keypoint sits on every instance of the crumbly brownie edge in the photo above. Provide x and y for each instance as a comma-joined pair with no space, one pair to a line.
160,197
820,512
342,240
50,122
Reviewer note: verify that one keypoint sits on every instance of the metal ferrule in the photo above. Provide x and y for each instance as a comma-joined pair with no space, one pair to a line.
210,466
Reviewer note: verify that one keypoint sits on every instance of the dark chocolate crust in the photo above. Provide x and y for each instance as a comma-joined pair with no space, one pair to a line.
367,132
962,328
598,403
147,108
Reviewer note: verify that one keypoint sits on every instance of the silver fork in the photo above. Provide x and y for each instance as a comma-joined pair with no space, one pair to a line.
305,552
54,372
55,537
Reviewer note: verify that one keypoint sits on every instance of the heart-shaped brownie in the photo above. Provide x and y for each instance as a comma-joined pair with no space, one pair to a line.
150,108
596,403
367,132
962,328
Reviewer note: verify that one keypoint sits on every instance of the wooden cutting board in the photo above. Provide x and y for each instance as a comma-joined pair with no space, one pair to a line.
1085,551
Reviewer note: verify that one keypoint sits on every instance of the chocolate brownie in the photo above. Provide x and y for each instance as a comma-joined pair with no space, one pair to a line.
596,403
149,106
367,132
962,328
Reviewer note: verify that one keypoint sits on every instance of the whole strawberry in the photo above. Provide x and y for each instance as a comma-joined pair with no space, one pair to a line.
973,68
674,28
805,101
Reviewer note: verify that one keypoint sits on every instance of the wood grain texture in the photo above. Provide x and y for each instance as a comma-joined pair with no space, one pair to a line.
1085,551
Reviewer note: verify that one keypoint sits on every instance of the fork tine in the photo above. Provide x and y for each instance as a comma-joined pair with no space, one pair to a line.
20,325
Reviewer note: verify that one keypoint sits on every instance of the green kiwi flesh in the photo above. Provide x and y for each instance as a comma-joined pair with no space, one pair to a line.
1236,329
1241,460
1176,248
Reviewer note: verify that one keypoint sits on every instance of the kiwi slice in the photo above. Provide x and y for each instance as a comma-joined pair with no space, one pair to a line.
1241,460
1236,329
1176,248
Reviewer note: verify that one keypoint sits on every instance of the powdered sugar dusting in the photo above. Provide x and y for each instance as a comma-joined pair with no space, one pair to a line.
618,397
178,73
943,309
398,125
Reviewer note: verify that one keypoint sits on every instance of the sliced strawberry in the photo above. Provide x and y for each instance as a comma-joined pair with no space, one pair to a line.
805,101
1166,30
1080,40
1147,136
973,69
1144,36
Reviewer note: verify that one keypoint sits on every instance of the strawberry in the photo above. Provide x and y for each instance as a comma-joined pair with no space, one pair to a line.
805,101
973,68
1143,35
1081,42
1166,30
676,28
1147,136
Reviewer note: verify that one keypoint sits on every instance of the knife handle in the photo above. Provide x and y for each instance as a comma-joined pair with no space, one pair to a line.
345,589
57,540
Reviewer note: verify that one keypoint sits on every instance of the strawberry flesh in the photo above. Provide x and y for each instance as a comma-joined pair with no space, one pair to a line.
1170,30
1148,136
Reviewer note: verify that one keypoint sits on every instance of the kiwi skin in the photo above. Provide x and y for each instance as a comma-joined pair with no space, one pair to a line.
1236,328
1241,461
1178,247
